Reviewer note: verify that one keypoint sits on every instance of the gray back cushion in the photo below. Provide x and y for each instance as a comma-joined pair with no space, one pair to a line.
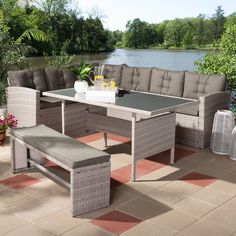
59,79
167,82
69,78
113,71
141,79
28,78
197,85
127,77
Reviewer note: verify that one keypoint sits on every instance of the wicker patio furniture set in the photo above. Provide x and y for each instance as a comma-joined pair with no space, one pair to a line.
45,96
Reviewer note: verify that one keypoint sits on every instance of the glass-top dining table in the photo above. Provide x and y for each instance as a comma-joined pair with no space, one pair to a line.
148,119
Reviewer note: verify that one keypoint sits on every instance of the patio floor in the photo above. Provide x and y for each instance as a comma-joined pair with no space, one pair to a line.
196,196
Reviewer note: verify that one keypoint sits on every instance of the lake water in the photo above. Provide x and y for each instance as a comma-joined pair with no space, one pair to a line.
166,59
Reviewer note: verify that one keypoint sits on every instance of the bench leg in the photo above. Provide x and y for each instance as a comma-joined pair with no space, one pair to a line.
90,188
19,160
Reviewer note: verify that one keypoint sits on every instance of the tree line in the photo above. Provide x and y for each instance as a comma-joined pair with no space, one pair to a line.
65,28
68,31
198,32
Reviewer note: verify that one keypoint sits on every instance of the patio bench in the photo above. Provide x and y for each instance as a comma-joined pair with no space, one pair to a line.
87,169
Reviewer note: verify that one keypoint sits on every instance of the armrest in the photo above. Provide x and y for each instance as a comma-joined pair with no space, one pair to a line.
209,104
24,103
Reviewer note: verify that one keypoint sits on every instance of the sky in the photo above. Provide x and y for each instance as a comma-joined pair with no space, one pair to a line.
118,12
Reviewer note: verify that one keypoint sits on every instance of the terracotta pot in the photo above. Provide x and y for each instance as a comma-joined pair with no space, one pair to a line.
2,136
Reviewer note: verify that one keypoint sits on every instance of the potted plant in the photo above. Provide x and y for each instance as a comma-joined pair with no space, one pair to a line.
6,121
82,74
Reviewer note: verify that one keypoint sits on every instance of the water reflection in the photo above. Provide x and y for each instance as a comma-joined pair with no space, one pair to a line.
166,59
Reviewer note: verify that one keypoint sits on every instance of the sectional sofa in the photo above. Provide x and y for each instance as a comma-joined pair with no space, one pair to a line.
193,124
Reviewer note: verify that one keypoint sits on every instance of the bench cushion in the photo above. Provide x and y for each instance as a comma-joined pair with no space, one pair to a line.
64,149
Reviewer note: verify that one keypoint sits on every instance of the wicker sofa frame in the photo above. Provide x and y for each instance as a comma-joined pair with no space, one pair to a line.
192,130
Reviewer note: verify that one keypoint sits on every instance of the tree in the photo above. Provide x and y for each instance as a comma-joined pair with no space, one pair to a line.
224,61
218,20
174,33
140,34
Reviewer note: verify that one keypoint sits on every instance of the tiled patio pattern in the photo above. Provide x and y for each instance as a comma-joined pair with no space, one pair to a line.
196,196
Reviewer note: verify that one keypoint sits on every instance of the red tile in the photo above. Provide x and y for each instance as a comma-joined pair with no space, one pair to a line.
123,174
91,138
118,138
19,181
198,179
48,163
99,135
116,222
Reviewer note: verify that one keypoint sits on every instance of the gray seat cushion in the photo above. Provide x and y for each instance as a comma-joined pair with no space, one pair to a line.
167,82
62,148
197,85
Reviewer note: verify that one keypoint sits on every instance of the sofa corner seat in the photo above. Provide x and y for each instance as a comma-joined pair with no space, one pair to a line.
26,102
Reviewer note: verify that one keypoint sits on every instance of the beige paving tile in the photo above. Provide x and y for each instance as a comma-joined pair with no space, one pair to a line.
33,211
231,177
173,192
224,186
143,209
173,220
12,199
194,161
193,207
205,228
4,190
162,176
159,196
61,201
211,196
30,230
135,188
87,229
224,216
149,229
218,168
231,203
118,198
37,175
10,222
95,214
38,190
58,222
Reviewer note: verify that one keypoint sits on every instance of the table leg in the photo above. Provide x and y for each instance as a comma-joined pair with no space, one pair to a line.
63,116
105,138
133,161
172,155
